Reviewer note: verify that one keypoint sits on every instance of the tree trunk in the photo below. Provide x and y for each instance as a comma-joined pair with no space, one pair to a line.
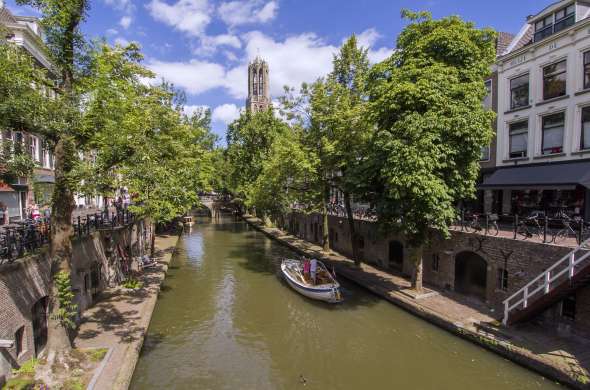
325,227
353,237
153,241
418,269
61,244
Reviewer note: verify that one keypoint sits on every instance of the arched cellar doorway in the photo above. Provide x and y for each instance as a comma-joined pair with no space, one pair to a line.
39,315
396,255
471,273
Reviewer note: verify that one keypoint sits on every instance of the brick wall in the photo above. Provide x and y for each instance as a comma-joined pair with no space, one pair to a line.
26,281
523,260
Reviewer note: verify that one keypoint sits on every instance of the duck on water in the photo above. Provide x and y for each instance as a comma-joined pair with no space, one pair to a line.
312,279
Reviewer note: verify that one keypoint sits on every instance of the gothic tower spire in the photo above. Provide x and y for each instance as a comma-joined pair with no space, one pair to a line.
258,86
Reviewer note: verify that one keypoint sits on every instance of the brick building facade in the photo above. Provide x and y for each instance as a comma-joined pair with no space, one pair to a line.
24,287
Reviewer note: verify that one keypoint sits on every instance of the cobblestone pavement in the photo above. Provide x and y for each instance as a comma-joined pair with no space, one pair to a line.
120,320
531,343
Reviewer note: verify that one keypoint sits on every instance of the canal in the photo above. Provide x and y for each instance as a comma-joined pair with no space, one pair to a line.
225,320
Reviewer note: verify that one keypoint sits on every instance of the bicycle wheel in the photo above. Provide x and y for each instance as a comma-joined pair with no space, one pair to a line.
493,229
560,236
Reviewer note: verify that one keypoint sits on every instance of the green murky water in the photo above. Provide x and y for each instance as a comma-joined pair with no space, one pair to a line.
225,320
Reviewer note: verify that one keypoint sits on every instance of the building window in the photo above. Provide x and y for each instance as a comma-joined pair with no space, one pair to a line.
544,28
519,91
555,23
502,282
568,308
485,154
435,262
564,18
487,101
19,340
585,133
519,135
587,70
553,128
554,80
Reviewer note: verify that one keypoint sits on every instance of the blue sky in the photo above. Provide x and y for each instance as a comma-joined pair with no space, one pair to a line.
203,46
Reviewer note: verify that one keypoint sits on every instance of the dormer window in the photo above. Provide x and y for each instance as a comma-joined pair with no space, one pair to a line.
555,22
565,18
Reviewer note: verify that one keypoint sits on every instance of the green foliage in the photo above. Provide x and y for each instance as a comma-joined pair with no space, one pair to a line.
132,284
73,384
67,310
249,143
96,355
27,368
426,104
19,384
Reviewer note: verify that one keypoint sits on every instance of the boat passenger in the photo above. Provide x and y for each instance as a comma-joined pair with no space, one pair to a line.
306,267
313,270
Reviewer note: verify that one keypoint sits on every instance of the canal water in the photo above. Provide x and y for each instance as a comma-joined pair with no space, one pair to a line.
225,320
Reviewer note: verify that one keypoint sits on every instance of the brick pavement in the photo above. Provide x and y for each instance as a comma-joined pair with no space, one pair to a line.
121,319
564,358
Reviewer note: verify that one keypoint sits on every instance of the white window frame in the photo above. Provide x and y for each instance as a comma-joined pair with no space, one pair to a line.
508,139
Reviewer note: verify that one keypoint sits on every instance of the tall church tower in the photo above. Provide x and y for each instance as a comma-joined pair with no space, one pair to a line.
258,86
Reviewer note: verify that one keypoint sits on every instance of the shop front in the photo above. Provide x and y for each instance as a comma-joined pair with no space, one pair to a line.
553,189
14,200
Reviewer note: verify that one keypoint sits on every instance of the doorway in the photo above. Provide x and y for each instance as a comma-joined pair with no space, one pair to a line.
39,313
396,255
471,271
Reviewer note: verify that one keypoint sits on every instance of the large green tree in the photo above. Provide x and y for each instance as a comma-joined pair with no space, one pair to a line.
249,143
339,111
426,102
61,22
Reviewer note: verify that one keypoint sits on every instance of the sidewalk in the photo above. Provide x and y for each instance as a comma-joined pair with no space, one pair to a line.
121,319
563,359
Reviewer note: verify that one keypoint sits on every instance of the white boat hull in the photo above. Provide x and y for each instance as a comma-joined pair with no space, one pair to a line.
326,292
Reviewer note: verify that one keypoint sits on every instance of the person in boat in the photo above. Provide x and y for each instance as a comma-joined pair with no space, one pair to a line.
306,267
313,268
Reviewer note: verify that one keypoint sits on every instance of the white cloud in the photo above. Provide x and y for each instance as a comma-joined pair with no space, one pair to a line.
189,16
240,12
209,44
225,113
112,31
191,109
194,76
121,5
121,41
368,38
125,22
297,59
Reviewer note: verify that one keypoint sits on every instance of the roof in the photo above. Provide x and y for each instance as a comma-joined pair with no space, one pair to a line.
6,16
503,41
552,175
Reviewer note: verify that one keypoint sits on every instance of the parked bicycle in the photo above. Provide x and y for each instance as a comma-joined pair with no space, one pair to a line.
530,227
489,227
567,230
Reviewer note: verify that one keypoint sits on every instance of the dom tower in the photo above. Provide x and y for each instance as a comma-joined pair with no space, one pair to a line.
258,90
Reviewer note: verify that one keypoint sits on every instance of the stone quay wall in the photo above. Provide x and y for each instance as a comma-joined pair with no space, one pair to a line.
509,264
99,261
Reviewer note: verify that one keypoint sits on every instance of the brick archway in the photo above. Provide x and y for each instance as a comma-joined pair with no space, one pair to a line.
471,274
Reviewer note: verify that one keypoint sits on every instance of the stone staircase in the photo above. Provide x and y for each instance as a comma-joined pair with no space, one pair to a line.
563,278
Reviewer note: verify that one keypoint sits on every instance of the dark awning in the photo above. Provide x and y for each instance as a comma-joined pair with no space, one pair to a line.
545,176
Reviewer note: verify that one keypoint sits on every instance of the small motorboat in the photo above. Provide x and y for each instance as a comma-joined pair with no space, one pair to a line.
325,289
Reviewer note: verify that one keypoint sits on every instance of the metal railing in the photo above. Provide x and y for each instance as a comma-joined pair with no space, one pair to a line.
563,270
561,229
24,238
